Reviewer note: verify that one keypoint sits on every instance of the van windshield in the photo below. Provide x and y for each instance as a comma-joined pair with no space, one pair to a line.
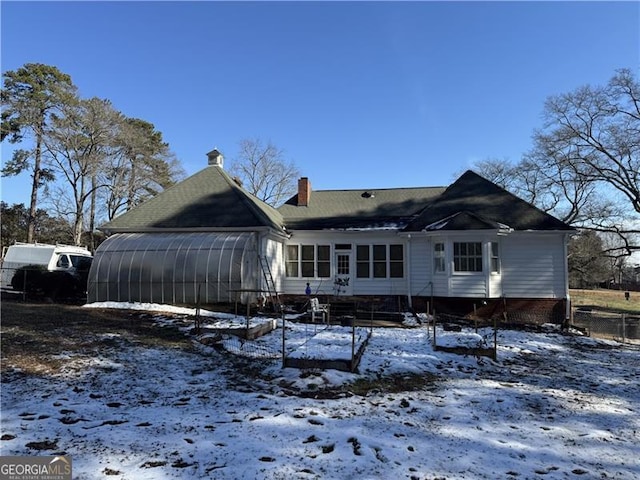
80,261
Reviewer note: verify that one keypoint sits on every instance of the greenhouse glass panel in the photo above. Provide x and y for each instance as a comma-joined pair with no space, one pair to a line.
174,268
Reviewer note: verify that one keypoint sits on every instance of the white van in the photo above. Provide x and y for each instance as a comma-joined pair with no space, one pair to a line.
65,258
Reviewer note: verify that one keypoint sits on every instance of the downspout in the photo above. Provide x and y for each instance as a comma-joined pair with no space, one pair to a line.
409,294
486,246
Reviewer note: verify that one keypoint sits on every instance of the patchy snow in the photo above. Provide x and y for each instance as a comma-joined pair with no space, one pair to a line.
552,406
460,339
156,307
332,343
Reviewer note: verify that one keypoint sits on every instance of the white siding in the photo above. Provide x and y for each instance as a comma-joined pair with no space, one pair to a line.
380,286
533,265
495,285
421,266
272,250
440,285
468,285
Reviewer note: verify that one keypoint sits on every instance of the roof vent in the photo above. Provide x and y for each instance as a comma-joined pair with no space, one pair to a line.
215,158
368,194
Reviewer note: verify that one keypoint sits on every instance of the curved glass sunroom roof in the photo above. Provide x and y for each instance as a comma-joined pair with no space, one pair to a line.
173,268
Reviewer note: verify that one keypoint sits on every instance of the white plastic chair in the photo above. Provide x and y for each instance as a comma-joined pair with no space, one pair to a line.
322,308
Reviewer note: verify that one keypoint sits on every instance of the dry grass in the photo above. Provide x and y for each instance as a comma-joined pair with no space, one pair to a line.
35,334
611,300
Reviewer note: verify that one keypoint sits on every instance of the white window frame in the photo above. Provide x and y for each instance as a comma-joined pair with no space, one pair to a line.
468,257
387,262
439,258
494,258
299,262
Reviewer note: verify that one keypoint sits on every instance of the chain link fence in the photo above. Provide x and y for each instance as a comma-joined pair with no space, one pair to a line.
615,326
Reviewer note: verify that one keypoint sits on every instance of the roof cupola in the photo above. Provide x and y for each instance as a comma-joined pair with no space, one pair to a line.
215,158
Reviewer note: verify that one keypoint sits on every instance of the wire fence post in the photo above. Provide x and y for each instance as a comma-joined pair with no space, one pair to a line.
198,319
624,329
495,338
353,345
434,327
24,286
283,342
475,317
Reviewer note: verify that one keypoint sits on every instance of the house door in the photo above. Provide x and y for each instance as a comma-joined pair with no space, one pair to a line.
342,283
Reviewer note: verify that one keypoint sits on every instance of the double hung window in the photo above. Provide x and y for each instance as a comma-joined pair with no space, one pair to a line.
495,257
467,256
380,261
308,261
438,257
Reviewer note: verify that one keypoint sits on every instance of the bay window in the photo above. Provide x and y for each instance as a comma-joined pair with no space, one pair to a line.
467,256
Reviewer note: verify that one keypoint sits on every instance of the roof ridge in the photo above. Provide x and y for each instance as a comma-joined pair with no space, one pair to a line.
256,205
376,189
501,208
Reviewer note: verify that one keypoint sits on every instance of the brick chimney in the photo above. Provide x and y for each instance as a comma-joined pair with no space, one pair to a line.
304,192
215,158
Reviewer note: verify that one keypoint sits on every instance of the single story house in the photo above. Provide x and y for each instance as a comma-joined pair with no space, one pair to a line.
471,245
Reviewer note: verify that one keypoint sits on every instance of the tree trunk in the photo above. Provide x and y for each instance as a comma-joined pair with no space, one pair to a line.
92,214
33,207
132,184
77,227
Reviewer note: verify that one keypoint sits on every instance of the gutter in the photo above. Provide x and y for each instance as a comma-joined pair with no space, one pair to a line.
113,231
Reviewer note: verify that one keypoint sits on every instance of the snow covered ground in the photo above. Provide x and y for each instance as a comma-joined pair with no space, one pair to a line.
553,406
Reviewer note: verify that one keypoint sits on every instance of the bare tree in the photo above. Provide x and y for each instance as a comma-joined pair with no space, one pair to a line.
264,171
77,146
584,167
594,132
592,136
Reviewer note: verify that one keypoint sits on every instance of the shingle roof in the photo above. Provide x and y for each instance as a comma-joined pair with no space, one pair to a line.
353,209
483,203
211,199
465,221
207,199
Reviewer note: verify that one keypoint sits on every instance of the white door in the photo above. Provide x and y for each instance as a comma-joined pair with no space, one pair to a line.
343,281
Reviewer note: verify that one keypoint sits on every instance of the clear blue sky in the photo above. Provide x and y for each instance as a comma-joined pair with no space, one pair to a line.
359,95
